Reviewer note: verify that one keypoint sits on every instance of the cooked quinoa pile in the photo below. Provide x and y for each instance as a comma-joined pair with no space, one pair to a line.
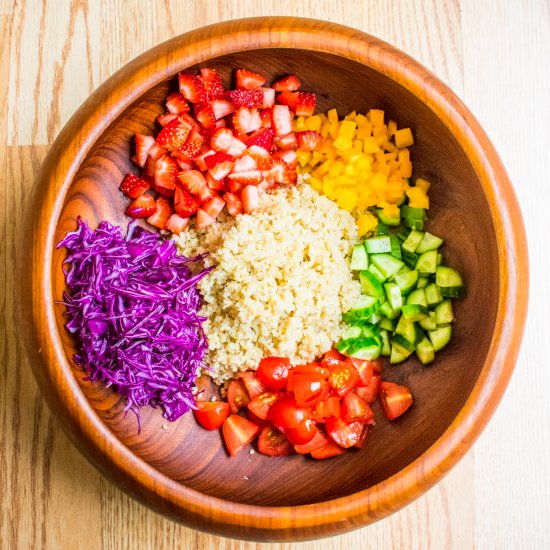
281,283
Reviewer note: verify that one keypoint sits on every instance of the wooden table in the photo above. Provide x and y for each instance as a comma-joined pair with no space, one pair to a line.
495,55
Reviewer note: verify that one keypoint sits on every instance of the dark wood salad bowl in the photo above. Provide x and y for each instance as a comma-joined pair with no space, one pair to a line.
184,471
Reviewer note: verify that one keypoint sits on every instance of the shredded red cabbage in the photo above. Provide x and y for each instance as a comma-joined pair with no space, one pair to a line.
133,307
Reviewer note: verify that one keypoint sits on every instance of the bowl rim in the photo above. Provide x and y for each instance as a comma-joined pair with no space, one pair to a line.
53,371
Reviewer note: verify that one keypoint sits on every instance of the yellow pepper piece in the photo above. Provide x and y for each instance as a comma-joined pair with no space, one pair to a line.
347,129
417,198
423,184
392,128
332,115
376,117
365,223
342,143
403,138
347,199
313,123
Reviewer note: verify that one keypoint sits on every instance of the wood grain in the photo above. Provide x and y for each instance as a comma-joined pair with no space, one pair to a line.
497,496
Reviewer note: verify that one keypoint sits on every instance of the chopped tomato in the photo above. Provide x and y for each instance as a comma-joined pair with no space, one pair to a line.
211,414
260,422
355,409
286,413
364,437
332,356
274,443
328,408
238,432
309,389
342,377
252,383
364,369
237,395
261,404
344,434
310,368
273,372
303,433
319,439
395,399
370,392
327,451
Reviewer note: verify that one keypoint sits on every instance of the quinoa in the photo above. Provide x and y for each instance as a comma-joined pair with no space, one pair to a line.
281,283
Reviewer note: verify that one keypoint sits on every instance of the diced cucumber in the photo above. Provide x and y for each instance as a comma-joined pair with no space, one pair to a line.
410,258
409,213
409,330
395,247
381,229
429,242
365,306
440,337
439,258
406,281
359,258
414,312
343,345
375,270
386,219
364,348
386,346
387,311
412,241
398,354
370,285
387,264
402,342
433,296
427,262
425,352
449,282
429,322
352,332
375,318
453,291
378,245
415,224
393,294
418,296
390,324
423,282
370,330
444,313
402,234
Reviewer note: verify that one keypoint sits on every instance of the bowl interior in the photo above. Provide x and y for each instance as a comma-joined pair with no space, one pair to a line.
459,213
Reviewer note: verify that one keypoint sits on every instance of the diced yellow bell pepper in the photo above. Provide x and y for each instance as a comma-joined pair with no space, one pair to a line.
347,129
313,123
406,169
376,117
417,198
336,169
423,184
317,184
347,199
303,157
370,146
366,223
403,138
392,128
342,143
404,155
332,115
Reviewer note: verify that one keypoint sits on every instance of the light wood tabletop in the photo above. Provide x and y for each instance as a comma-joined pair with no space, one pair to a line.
494,55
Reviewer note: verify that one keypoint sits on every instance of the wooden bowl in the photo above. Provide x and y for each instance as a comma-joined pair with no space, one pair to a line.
182,470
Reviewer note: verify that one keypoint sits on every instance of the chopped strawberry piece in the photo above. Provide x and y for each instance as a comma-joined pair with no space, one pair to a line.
263,138
214,184
212,83
143,146
177,224
265,115
205,115
250,198
287,84
263,186
234,204
164,211
260,155
156,151
166,170
234,186
281,120
176,104
287,143
214,206
184,203
244,164
222,107
221,123
192,146
133,187
308,140
289,157
166,118
247,98
219,165
192,87
148,173
248,80
194,182
237,148
204,219
142,207
221,140
200,162
305,104
174,134
269,98
183,165
288,98
252,177
246,120
281,172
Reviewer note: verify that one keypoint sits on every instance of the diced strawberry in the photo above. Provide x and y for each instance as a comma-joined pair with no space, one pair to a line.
166,170
250,198
234,186
289,157
308,140
263,186
268,98
133,187
281,120
244,164
184,203
260,155
200,162
246,120
237,148
221,123
205,115
215,185
281,172
262,138
247,98
212,83
192,146
166,118
148,173
286,143
287,84
192,87
221,140
252,177
234,203
216,158
183,164
265,115
164,211
143,146
221,108
214,206
177,224
142,207
288,98
248,80
204,219
219,165
174,135
176,104
305,104
194,182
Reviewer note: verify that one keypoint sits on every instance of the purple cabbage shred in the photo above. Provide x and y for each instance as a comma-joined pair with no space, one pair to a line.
133,306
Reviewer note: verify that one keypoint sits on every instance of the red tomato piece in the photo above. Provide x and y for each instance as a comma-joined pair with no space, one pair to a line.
343,377
328,408
252,383
211,414
286,413
344,434
370,392
327,451
395,399
311,368
303,433
237,395
274,443
309,389
364,368
238,432
318,441
355,409
273,372
364,437
261,404
332,356
256,419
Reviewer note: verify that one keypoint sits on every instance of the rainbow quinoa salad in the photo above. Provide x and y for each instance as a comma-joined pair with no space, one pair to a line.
285,258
